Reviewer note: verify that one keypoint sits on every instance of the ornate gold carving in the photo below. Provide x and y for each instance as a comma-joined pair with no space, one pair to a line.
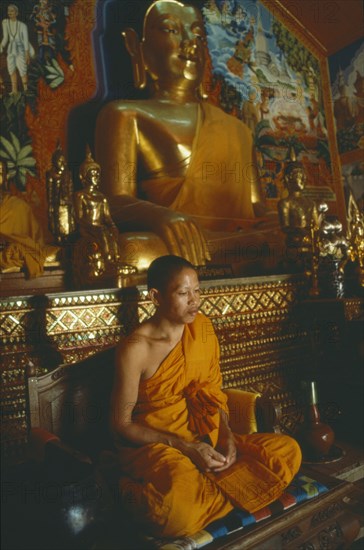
353,308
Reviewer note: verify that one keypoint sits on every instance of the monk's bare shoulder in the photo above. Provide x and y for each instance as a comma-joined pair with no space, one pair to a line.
135,348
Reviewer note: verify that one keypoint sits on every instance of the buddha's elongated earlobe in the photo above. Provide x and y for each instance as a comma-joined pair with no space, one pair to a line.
132,44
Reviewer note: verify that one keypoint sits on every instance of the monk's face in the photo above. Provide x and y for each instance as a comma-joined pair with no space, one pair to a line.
173,43
180,301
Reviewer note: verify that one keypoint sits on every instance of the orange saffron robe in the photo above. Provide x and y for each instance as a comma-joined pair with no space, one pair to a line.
19,228
165,490
216,189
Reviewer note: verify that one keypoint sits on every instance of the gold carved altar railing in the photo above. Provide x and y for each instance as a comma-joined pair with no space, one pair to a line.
264,345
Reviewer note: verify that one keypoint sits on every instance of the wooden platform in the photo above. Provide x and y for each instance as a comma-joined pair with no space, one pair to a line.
325,522
350,469
54,279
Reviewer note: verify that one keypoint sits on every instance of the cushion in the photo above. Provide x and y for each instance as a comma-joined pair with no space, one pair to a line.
301,489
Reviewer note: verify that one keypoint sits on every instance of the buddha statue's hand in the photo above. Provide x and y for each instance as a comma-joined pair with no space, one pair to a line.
179,232
181,235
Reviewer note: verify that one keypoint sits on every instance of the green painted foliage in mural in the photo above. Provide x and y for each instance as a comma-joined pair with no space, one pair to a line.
18,158
297,56
54,74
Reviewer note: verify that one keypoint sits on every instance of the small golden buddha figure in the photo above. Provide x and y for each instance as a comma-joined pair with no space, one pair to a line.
296,211
178,171
96,255
61,214
93,214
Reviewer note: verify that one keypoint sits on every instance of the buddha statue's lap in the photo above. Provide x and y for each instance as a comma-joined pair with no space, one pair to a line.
179,173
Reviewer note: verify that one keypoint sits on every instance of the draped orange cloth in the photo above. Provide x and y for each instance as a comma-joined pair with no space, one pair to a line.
216,191
169,494
20,229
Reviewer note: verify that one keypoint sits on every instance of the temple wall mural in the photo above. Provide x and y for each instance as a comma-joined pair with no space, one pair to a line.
347,85
53,78
259,70
271,81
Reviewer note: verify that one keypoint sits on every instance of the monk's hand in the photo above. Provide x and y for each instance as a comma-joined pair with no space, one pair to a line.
204,456
227,448
182,236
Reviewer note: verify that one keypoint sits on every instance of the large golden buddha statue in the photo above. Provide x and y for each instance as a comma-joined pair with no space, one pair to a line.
174,167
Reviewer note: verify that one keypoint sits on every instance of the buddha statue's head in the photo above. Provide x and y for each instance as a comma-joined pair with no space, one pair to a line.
294,173
90,171
59,160
295,176
172,49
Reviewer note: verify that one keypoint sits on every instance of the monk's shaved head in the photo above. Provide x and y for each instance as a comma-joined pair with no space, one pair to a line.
162,270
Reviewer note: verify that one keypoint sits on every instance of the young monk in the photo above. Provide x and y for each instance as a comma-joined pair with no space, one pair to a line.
170,418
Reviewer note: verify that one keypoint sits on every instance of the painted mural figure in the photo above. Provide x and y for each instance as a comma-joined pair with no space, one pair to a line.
61,216
16,41
359,98
264,103
250,111
242,54
44,20
343,109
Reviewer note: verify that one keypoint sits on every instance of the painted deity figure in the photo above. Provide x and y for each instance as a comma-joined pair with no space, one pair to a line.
343,108
174,166
45,21
250,111
93,215
359,98
16,41
61,215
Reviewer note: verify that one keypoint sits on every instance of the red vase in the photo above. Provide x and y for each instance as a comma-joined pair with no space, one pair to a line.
315,437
